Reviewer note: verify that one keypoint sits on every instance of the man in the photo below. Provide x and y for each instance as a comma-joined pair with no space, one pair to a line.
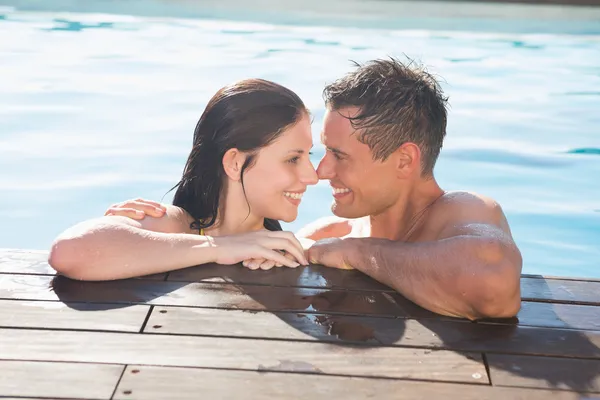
449,252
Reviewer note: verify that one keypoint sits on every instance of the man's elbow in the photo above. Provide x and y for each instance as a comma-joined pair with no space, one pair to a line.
500,307
499,294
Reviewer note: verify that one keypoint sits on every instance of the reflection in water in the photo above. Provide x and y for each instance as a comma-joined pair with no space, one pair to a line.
342,329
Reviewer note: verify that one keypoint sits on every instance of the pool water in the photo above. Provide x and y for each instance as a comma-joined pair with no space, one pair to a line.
98,108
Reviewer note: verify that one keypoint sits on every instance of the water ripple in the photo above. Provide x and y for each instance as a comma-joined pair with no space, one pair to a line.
76,26
585,150
499,156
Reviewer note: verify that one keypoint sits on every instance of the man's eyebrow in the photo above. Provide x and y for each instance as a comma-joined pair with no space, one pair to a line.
336,151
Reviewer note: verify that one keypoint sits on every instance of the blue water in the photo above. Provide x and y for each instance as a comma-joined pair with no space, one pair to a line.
98,108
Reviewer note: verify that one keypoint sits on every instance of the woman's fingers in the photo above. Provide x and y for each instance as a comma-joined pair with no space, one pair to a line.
273,255
283,243
294,241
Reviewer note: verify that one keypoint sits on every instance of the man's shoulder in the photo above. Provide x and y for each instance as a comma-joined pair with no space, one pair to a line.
326,227
466,207
467,201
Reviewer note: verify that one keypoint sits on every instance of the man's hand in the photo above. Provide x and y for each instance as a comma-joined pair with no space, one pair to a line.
137,209
330,252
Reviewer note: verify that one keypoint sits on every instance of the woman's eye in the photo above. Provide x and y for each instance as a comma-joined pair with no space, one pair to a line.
294,160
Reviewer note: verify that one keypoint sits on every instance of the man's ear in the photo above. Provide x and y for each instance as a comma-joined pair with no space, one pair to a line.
233,160
407,159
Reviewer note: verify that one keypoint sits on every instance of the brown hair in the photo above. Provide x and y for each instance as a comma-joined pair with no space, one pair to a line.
247,115
398,103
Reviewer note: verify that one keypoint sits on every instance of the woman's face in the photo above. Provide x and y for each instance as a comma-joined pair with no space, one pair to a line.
281,173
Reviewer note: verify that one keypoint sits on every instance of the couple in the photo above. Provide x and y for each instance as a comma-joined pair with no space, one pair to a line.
449,252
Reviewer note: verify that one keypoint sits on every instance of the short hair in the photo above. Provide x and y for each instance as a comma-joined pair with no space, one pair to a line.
398,103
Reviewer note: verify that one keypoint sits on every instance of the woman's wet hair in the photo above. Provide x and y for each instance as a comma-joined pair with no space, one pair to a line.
247,115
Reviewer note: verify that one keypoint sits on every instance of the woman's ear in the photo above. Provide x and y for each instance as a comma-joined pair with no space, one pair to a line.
233,160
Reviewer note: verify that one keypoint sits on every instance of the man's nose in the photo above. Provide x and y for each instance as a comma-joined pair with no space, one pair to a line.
325,170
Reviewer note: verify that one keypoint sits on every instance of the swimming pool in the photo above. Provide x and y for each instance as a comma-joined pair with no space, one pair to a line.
97,108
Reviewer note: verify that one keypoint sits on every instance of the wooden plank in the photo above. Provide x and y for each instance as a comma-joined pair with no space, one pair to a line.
545,372
313,276
570,316
424,333
55,379
13,261
560,278
132,291
532,288
247,354
256,297
25,262
555,290
57,315
158,383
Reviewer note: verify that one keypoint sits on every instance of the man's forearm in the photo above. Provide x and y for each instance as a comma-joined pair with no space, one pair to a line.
463,276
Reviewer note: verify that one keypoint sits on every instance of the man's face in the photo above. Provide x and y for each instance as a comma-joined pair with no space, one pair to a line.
361,186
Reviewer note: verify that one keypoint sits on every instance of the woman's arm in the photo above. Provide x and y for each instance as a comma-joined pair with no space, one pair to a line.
114,247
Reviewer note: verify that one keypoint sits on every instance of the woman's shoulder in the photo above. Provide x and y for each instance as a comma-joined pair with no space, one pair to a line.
174,220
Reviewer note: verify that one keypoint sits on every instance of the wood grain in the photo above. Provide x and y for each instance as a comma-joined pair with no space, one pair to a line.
56,379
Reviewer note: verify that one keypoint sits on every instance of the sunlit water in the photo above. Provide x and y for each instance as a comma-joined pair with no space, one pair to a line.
96,109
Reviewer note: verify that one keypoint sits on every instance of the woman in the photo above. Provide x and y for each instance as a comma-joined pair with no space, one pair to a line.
248,168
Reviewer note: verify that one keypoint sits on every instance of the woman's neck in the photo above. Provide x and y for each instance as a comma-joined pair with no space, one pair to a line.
234,215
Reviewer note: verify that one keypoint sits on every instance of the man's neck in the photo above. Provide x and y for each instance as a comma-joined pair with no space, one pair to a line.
401,220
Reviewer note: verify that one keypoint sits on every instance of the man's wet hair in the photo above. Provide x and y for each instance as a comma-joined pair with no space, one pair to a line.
398,103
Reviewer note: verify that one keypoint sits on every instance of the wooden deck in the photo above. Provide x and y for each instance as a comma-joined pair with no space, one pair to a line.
217,332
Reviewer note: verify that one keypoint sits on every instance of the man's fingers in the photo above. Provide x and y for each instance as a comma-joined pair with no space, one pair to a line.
149,209
267,265
125,212
151,203
253,263
313,255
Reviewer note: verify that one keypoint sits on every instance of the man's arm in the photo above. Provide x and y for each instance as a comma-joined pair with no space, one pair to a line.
472,270
326,227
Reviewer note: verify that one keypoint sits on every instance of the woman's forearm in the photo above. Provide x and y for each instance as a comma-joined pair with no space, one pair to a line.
116,248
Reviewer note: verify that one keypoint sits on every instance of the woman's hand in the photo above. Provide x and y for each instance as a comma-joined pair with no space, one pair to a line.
276,248
264,264
265,248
